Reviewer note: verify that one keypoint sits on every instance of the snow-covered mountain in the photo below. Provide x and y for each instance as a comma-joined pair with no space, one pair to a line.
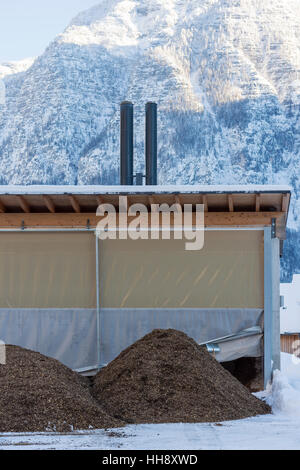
225,75
15,67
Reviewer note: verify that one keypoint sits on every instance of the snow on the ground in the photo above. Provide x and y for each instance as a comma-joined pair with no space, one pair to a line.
279,430
284,393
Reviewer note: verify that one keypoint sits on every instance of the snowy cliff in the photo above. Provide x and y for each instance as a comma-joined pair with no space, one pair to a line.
225,75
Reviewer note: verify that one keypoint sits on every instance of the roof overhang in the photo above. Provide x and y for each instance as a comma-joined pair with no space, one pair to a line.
75,206
159,189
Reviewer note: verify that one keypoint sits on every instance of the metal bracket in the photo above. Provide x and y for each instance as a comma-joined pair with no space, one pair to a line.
273,228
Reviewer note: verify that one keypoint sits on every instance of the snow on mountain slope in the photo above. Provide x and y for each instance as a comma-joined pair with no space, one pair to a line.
13,71
13,67
225,75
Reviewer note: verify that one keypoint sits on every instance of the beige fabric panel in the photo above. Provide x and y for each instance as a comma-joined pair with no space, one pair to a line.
47,270
227,272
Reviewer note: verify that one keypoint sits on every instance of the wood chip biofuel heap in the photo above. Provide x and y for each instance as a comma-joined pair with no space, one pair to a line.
167,377
38,393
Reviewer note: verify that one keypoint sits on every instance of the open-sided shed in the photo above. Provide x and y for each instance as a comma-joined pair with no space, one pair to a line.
69,295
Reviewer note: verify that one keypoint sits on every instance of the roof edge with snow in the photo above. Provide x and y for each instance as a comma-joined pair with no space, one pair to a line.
160,189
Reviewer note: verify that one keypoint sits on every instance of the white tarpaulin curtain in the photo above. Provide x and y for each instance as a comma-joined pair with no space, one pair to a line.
47,270
227,273
48,292
69,335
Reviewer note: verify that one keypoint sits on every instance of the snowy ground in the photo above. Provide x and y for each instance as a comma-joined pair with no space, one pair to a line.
281,430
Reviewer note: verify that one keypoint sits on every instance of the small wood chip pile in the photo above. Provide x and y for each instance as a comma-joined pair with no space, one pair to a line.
38,393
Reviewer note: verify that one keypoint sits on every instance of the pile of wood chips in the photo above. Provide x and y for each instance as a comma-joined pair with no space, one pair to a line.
162,378
167,377
38,393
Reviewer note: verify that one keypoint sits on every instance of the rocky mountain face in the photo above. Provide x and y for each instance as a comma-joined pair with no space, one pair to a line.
225,75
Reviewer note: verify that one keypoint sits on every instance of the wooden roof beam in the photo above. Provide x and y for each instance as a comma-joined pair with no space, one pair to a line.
285,203
2,207
205,202
257,202
75,204
230,203
69,220
49,204
178,202
152,202
24,204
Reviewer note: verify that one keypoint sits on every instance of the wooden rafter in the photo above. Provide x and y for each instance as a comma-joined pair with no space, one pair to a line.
75,204
2,207
204,202
36,202
285,202
257,202
230,203
24,204
152,202
49,204
178,201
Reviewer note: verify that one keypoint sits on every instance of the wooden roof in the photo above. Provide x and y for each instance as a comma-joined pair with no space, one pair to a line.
85,199
75,206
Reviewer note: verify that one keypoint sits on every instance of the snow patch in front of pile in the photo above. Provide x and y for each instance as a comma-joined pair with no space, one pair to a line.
284,393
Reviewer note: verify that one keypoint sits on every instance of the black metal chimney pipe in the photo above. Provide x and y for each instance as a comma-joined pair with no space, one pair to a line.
126,148
151,143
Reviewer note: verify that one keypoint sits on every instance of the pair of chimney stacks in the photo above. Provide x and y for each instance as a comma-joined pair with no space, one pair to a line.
127,165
